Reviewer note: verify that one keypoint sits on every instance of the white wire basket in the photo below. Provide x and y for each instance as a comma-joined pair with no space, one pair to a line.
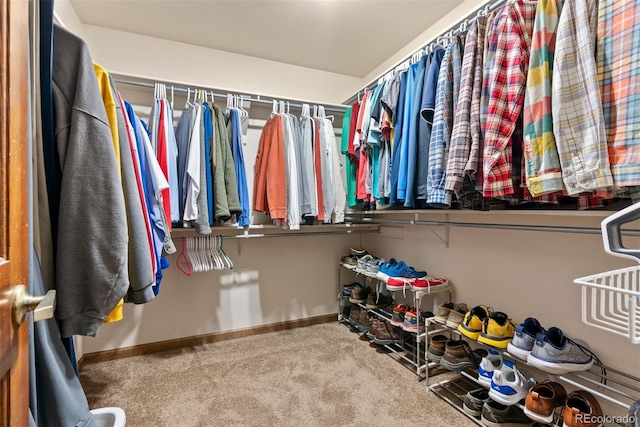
611,301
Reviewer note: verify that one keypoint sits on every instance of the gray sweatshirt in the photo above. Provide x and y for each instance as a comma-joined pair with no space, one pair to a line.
91,259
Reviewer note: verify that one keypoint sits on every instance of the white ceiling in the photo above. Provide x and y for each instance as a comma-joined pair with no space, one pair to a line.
349,37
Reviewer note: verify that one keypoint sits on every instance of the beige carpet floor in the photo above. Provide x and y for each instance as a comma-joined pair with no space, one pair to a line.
322,375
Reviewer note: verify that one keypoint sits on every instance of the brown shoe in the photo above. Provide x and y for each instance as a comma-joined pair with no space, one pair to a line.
359,295
354,315
387,334
542,399
364,322
582,410
458,355
436,347
371,334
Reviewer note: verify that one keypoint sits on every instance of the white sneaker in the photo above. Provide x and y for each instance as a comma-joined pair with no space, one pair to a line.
508,385
488,365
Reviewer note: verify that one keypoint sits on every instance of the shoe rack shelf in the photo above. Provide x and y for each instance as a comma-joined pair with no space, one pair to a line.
418,359
611,385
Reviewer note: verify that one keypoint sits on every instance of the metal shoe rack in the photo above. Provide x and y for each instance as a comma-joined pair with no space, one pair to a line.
409,350
605,383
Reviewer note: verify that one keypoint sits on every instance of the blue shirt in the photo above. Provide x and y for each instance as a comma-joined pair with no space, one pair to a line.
244,218
395,159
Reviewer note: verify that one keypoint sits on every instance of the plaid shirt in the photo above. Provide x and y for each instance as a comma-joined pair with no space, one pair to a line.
505,77
466,127
446,100
579,130
618,61
542,165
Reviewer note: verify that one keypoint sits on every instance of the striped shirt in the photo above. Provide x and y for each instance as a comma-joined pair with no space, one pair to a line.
578,124
542,165
505,78
618,65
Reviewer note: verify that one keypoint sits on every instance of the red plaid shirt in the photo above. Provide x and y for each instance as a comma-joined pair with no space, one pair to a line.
505,76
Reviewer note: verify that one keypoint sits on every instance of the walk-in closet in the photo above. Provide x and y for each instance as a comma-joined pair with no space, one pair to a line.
320,213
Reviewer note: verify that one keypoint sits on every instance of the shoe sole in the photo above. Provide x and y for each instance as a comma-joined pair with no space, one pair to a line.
382,276
472,412
484,382
469,333
507,400
454,366
410,328
357,301
452,325
518,353
434,358
386,342
557,368
498,342
538,417
393,288
502,424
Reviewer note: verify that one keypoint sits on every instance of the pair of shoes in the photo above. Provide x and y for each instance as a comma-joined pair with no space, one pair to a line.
412,319
358,251
347,289
554,353
543,399
399,311
383,271
497,330
471,326
359,295
398,269
451,314
378,300
458,355
509,385
387,334
354,315
428,283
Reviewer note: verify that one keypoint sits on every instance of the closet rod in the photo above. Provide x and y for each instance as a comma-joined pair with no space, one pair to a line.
259,100
298,234
451,31
547,228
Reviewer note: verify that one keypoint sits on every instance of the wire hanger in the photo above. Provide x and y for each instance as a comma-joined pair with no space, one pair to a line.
183,261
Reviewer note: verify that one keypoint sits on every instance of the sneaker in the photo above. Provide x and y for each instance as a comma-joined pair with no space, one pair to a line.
378,300
524,338
400,269
411,320
373,266
362,262
490,363
580,407
347,289
383,271
359,295
556,354
436,348
471,325
497,414
358,252
428,284
508,385
387,334
543,399
349,261
456,315
458,355
397,318
474,401
443,312
354,315
497,330
397,284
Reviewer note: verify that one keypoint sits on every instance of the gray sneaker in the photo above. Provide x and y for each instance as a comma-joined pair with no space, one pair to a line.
497,414
456,315
525,337
474,401
556,354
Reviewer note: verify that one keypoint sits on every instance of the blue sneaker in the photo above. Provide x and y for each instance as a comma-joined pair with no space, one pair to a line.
403,270
383,270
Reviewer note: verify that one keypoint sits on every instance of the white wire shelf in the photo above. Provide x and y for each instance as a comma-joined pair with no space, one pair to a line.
611,301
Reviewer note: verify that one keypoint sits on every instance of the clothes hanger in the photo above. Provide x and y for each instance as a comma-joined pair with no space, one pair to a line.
229,263
274,108
183,261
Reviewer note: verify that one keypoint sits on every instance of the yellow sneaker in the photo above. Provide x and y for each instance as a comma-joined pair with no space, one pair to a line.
471,325
497,330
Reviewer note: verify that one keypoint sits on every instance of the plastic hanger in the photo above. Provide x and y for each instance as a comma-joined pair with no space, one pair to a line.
183,261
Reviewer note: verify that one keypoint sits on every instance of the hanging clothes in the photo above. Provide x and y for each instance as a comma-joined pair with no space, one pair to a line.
91,203
244,218
207,120
183,141
270,169
224,180
309,202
